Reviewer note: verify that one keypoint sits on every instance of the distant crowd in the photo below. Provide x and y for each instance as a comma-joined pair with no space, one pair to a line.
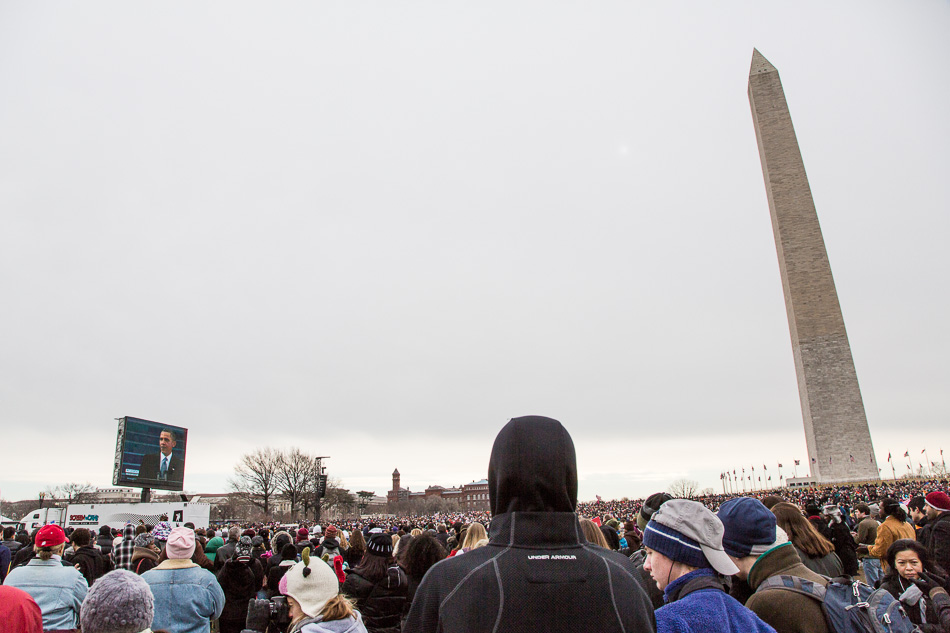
778,560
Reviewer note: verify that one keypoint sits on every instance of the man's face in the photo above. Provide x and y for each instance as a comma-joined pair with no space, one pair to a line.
916,514
931,513
166,443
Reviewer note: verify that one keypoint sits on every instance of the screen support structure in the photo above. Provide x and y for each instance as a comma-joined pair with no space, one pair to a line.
320,472
146,495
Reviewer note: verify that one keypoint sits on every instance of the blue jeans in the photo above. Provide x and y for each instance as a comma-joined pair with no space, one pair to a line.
872,570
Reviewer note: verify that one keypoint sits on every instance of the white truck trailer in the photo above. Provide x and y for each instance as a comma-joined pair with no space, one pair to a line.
115,515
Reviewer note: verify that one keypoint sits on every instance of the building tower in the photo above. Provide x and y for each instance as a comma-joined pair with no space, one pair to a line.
396,480
836,427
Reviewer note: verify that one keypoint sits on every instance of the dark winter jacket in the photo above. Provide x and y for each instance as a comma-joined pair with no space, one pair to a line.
223,553
329,546
353,557
786,611
698,602
5,559
104,540
653,591
941,602
23,556
938,541
274,574
538,572
91,563
382,602
896,586
240,585
845,547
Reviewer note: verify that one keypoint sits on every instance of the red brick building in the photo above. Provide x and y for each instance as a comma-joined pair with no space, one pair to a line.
470,496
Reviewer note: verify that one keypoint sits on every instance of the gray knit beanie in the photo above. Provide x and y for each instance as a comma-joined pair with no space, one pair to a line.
119,602
144,540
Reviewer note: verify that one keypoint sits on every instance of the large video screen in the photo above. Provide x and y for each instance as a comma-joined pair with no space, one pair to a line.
149,455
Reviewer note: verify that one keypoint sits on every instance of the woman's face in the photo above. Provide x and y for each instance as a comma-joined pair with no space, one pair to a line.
908,564
294,608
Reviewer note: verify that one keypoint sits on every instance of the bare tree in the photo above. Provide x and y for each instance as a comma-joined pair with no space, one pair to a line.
295,470
683,488
434,505
235,507
72,493
255,478
16,509
338,498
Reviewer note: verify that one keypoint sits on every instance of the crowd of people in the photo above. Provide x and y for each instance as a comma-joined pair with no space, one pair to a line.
537,561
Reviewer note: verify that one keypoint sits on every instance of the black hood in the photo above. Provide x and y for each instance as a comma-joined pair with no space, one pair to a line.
533,468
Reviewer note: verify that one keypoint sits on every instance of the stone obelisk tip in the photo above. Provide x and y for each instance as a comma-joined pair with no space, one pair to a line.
760,64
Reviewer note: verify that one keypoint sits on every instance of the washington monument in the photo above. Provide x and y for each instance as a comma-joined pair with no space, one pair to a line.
836,427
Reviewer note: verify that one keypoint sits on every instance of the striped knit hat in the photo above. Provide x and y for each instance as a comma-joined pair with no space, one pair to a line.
688,532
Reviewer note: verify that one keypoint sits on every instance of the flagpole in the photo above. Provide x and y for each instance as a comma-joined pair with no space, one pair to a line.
929,465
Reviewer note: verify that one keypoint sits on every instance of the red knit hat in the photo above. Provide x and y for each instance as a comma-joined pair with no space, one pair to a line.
938,500
50,536
331,531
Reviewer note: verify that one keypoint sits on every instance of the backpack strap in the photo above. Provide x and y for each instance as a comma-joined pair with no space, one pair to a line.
795,584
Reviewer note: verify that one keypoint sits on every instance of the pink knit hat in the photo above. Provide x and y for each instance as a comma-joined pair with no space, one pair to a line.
181,543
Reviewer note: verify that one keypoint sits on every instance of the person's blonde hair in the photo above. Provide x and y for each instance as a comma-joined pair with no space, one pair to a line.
593,534
339,607
416,532
475,533
46,553
344,544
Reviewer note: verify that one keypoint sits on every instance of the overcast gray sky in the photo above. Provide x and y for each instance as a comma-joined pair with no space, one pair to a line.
378,230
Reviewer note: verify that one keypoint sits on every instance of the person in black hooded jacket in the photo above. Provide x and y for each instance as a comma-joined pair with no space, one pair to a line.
240,578
378,587
537,573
